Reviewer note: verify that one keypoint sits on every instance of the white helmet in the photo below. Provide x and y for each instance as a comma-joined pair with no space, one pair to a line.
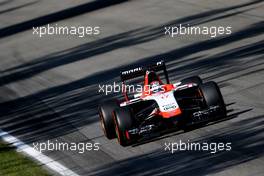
155,86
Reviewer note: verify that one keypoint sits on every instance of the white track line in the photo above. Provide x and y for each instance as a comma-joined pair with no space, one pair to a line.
43,159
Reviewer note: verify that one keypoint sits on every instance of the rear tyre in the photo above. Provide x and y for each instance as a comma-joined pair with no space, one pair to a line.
105,112
213,97
124,121
194,79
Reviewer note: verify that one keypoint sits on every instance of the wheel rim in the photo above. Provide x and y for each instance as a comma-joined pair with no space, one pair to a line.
117,133
102,122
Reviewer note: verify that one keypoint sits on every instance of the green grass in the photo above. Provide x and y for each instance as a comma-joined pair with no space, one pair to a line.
13,163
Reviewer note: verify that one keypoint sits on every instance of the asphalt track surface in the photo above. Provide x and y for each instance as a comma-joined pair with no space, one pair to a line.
49,85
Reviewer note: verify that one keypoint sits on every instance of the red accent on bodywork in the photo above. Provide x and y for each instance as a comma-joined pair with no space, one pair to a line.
124,91
170,113
127,135
168,87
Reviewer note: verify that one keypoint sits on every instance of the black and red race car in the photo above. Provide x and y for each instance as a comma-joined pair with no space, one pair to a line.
159,106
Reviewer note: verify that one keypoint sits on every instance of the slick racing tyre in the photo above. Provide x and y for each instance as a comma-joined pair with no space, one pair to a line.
194,79
124,121
213,97
105,112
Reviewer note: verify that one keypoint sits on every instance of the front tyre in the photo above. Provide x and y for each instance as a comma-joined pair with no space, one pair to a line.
124,121
105,112
212,97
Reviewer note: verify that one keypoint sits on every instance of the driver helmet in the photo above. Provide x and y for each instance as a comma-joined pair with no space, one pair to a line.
155,86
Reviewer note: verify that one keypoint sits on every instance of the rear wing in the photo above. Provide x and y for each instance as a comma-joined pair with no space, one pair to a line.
140,71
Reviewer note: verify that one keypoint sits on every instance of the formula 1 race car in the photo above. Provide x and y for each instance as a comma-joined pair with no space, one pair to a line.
159,106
